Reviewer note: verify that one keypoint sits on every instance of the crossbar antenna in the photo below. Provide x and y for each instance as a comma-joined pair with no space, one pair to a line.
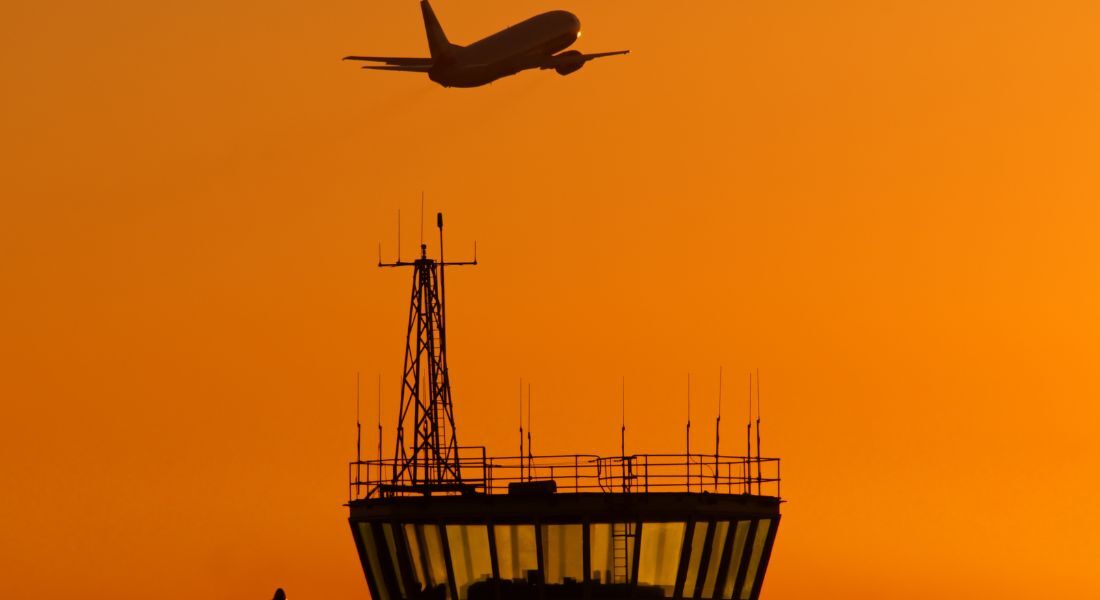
431,460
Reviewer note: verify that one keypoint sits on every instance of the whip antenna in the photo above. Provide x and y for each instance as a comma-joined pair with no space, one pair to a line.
379,421
717,428
521,429
530,450
759,471
622,440
748,442
688,434
358,425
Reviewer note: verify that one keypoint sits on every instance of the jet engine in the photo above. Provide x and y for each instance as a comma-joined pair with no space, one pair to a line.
570,61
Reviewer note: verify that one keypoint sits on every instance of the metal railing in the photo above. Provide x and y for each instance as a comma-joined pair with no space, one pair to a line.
573,473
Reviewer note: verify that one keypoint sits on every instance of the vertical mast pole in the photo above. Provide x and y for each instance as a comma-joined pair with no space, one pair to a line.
521,429
717,427
748,443
687,435
759,470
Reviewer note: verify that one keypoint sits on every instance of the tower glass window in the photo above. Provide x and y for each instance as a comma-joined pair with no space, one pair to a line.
516,554
740,534
426,556
758,541
717,547
391,545
563,553
371,549
469,545
659,556
695,558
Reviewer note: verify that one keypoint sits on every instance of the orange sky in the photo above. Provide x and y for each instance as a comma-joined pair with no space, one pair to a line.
888,207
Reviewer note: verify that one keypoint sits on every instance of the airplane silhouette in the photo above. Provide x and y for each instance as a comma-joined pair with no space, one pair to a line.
532,44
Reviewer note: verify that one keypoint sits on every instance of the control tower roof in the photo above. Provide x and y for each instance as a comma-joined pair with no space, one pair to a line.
440,521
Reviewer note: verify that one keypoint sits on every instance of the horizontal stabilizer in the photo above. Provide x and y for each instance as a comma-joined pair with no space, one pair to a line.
409,68
394,60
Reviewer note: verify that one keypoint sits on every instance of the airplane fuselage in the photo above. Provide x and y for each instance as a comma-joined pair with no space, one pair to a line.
537,43
522,46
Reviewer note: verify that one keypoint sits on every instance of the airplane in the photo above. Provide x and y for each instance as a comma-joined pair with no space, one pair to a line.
532,44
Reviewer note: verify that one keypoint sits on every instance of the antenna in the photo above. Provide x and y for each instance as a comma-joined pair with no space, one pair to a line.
622,442
688,434
432,459
358,425
759,471
379,422
717,427
530,452
521,429
748,441
422,217
399,235
623,461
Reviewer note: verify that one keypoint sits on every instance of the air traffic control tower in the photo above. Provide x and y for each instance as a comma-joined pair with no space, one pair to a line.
440,521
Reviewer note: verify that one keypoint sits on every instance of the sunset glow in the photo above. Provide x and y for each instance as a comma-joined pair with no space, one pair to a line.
888,208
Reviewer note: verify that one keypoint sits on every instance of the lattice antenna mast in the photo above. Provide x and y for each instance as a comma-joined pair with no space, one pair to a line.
431,459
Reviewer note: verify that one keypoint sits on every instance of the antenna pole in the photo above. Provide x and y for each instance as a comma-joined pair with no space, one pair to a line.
530,449
717,427
358,425
688,435
521,429
622,442
380,423
748,442
399,235
759,470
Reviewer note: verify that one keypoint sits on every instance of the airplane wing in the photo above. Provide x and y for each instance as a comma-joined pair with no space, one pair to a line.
394,60
409,68
574,57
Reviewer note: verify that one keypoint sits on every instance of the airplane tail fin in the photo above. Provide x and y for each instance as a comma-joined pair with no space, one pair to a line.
437,40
